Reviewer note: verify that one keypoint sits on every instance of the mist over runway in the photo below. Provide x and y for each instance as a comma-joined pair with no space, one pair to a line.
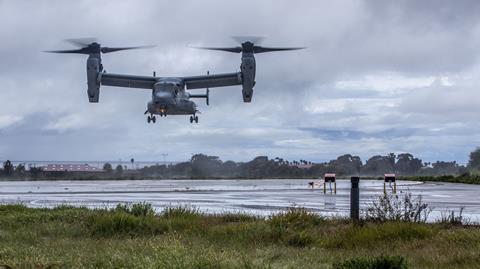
260,197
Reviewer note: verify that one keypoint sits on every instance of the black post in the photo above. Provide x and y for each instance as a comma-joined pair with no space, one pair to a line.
355,199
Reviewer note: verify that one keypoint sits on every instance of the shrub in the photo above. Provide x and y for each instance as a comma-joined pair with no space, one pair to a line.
114,223
294,227
121,224
392,207
382,262
295,217
237,217
182,211
14,208
136,209
300,239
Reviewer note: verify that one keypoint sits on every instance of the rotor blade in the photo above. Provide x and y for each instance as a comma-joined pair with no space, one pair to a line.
252,39
259,49
81,42
77,51
107,49
230,49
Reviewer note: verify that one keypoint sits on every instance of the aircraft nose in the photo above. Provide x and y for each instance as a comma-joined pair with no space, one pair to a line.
163,98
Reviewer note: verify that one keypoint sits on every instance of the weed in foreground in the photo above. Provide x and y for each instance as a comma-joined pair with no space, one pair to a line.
295,217
182,211
114,224
378,235
453,218
396,208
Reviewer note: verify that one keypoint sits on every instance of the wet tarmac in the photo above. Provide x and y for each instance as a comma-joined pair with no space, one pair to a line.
260,197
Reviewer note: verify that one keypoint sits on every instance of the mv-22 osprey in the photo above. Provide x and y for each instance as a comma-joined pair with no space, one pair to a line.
169,95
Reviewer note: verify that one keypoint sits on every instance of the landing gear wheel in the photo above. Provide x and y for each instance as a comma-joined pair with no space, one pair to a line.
149,119
196,119
154,119
191,119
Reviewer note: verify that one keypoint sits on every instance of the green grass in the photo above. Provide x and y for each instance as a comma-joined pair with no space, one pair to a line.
133,236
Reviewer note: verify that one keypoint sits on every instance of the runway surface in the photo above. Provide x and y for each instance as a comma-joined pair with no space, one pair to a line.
261,197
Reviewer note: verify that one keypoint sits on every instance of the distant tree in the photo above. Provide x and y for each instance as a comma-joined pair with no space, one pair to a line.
474,162
318,170
20,169
35,171
447,168
204,165
119,169
229,169
346,165
8,168
391,158
183,169
107,167
379,165
259,167
407,164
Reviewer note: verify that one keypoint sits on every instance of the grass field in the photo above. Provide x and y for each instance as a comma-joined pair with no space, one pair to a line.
135,237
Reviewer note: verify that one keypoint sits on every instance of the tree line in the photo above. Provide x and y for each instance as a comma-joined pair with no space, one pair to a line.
205,166
404,164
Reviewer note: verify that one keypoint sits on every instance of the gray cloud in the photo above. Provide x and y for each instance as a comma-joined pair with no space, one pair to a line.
377,77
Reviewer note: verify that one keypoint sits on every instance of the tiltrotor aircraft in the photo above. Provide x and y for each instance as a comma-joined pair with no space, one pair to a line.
169,94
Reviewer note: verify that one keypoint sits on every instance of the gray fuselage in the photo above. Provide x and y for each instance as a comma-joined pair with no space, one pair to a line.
170,98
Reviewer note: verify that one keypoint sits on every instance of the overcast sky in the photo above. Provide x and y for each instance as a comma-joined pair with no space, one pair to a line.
377,77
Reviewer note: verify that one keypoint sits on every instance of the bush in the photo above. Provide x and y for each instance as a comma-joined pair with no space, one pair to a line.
295,217
392,207
136,209
237,217
182,211
300,239
294,227
114,223
121,224
382,262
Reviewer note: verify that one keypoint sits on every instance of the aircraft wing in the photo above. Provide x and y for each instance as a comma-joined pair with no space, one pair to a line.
211,81
128,81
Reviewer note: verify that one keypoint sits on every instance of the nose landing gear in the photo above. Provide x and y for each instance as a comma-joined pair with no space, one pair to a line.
193,119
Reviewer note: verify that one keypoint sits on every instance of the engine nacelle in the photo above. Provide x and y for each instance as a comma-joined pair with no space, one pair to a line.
93,69
248,76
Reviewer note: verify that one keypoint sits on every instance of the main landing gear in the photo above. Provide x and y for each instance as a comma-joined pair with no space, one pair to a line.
193,119
151,118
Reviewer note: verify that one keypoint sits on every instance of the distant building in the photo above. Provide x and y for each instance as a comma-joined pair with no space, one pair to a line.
70,168
301,165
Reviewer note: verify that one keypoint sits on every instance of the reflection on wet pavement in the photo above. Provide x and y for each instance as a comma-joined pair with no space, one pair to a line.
261,197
